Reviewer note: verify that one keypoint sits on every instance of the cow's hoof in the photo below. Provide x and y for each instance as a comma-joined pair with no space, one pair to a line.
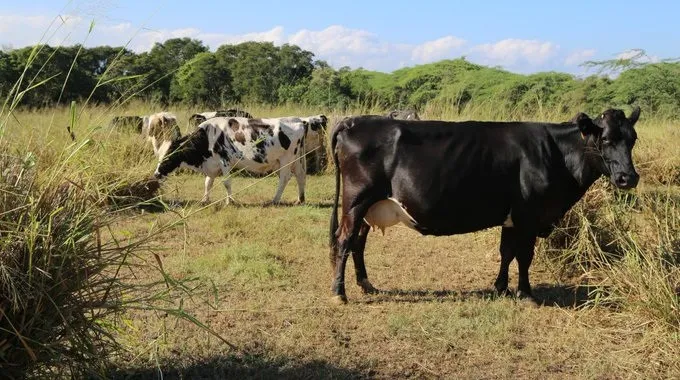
339,300
299,202
367,287
504,292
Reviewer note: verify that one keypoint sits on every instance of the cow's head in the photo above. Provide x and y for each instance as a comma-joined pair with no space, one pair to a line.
317,122
614,136
403,115
191,150
196,119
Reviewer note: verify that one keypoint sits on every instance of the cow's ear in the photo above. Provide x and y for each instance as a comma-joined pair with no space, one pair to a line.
635,115
585,124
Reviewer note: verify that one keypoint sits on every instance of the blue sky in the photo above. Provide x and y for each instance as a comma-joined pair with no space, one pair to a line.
526,36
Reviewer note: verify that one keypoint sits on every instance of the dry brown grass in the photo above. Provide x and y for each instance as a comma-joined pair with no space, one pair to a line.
437,316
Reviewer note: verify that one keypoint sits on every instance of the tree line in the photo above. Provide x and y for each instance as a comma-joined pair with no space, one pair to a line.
183,70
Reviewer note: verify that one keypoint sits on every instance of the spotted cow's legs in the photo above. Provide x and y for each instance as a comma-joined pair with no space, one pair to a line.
208,185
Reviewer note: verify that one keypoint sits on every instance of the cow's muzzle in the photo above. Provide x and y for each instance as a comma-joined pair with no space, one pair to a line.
625,180
158,176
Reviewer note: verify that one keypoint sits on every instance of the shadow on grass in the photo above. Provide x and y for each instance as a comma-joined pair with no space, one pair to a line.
218,205
243,367
567,296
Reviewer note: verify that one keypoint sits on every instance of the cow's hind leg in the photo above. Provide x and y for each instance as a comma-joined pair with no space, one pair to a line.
227,186
284,178
358,258
300,178
206,190
507,250
226,170
351,223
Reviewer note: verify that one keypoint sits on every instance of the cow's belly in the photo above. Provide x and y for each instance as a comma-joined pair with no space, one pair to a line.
257,167
447,220
456,215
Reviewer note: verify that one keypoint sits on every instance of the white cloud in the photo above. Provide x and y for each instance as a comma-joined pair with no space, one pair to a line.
19,31
511,51
444,47
579,56
339,45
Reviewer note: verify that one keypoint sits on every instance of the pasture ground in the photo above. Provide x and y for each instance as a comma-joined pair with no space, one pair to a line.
266,274
260,276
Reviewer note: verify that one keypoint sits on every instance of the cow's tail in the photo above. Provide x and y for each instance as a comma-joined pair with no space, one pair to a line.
333,240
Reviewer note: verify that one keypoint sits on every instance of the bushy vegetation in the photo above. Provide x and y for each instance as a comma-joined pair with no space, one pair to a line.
183,70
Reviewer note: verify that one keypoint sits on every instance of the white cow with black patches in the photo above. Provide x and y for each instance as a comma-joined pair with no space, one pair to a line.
222,144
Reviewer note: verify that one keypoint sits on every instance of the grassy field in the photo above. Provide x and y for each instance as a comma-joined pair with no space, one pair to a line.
260,277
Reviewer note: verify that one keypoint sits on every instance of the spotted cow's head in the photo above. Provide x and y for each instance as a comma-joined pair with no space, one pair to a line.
404,115
317,122
614,136
191,150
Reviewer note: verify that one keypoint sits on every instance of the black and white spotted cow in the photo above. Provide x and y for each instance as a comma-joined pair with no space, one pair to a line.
403,115
196,119
221,144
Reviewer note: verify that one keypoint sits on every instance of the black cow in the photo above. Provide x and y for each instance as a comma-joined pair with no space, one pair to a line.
198,118
445,178
133,122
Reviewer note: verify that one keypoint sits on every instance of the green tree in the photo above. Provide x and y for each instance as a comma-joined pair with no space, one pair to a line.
8,75
325,88
202,81
262,72
161,63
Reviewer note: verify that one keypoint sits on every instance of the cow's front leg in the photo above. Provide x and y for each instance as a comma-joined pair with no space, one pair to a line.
301,179
208,185
284,178
507,255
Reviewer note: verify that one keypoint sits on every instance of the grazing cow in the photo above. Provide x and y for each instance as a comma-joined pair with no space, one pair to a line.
256,145
135,122
160,129
403,115
445,178
196,119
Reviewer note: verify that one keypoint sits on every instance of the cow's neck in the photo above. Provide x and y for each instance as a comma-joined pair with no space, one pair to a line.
581,156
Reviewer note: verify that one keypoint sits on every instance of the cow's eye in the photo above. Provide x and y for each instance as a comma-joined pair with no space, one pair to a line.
605,141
